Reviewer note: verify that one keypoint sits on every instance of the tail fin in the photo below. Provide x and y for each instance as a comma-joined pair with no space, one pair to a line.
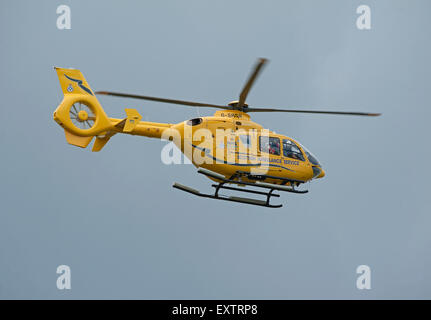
73,82
80,113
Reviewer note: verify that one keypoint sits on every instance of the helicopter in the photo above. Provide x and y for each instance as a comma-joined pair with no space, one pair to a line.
236,153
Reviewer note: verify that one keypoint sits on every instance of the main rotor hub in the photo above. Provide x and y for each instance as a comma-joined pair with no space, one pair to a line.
234,104
82,116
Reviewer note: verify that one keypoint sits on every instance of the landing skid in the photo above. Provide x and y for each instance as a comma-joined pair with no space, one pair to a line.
256,202
216,196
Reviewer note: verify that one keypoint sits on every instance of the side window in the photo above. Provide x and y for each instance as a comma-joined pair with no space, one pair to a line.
291,150
194,122
269,145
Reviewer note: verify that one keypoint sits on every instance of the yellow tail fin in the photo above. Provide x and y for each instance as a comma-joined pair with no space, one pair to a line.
72,81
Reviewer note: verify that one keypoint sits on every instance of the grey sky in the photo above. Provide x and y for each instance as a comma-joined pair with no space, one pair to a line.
113,216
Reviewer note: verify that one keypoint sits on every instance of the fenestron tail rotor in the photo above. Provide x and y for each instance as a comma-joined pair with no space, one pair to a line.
82,116
240,104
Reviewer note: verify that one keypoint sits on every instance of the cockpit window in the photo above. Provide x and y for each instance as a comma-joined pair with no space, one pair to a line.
291,150
269,145
310,156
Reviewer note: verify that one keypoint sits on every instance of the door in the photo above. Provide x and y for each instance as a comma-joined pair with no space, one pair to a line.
270,154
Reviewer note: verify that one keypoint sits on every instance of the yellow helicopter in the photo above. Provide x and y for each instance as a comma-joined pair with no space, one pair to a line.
230,149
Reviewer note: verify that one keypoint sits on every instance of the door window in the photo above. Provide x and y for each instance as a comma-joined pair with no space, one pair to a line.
269,145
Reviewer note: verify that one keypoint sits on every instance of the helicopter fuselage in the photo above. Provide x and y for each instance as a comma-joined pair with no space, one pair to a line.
229,142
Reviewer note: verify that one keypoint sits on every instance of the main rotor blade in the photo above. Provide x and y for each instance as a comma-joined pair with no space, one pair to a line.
250,81
174,101
313,111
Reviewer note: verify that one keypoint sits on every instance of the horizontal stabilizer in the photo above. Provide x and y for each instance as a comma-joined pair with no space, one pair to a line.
133,118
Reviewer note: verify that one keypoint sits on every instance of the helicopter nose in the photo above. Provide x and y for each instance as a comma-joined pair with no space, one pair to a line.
321,175
318,172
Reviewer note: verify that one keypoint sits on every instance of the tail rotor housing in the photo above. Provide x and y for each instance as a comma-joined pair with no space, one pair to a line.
80,113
